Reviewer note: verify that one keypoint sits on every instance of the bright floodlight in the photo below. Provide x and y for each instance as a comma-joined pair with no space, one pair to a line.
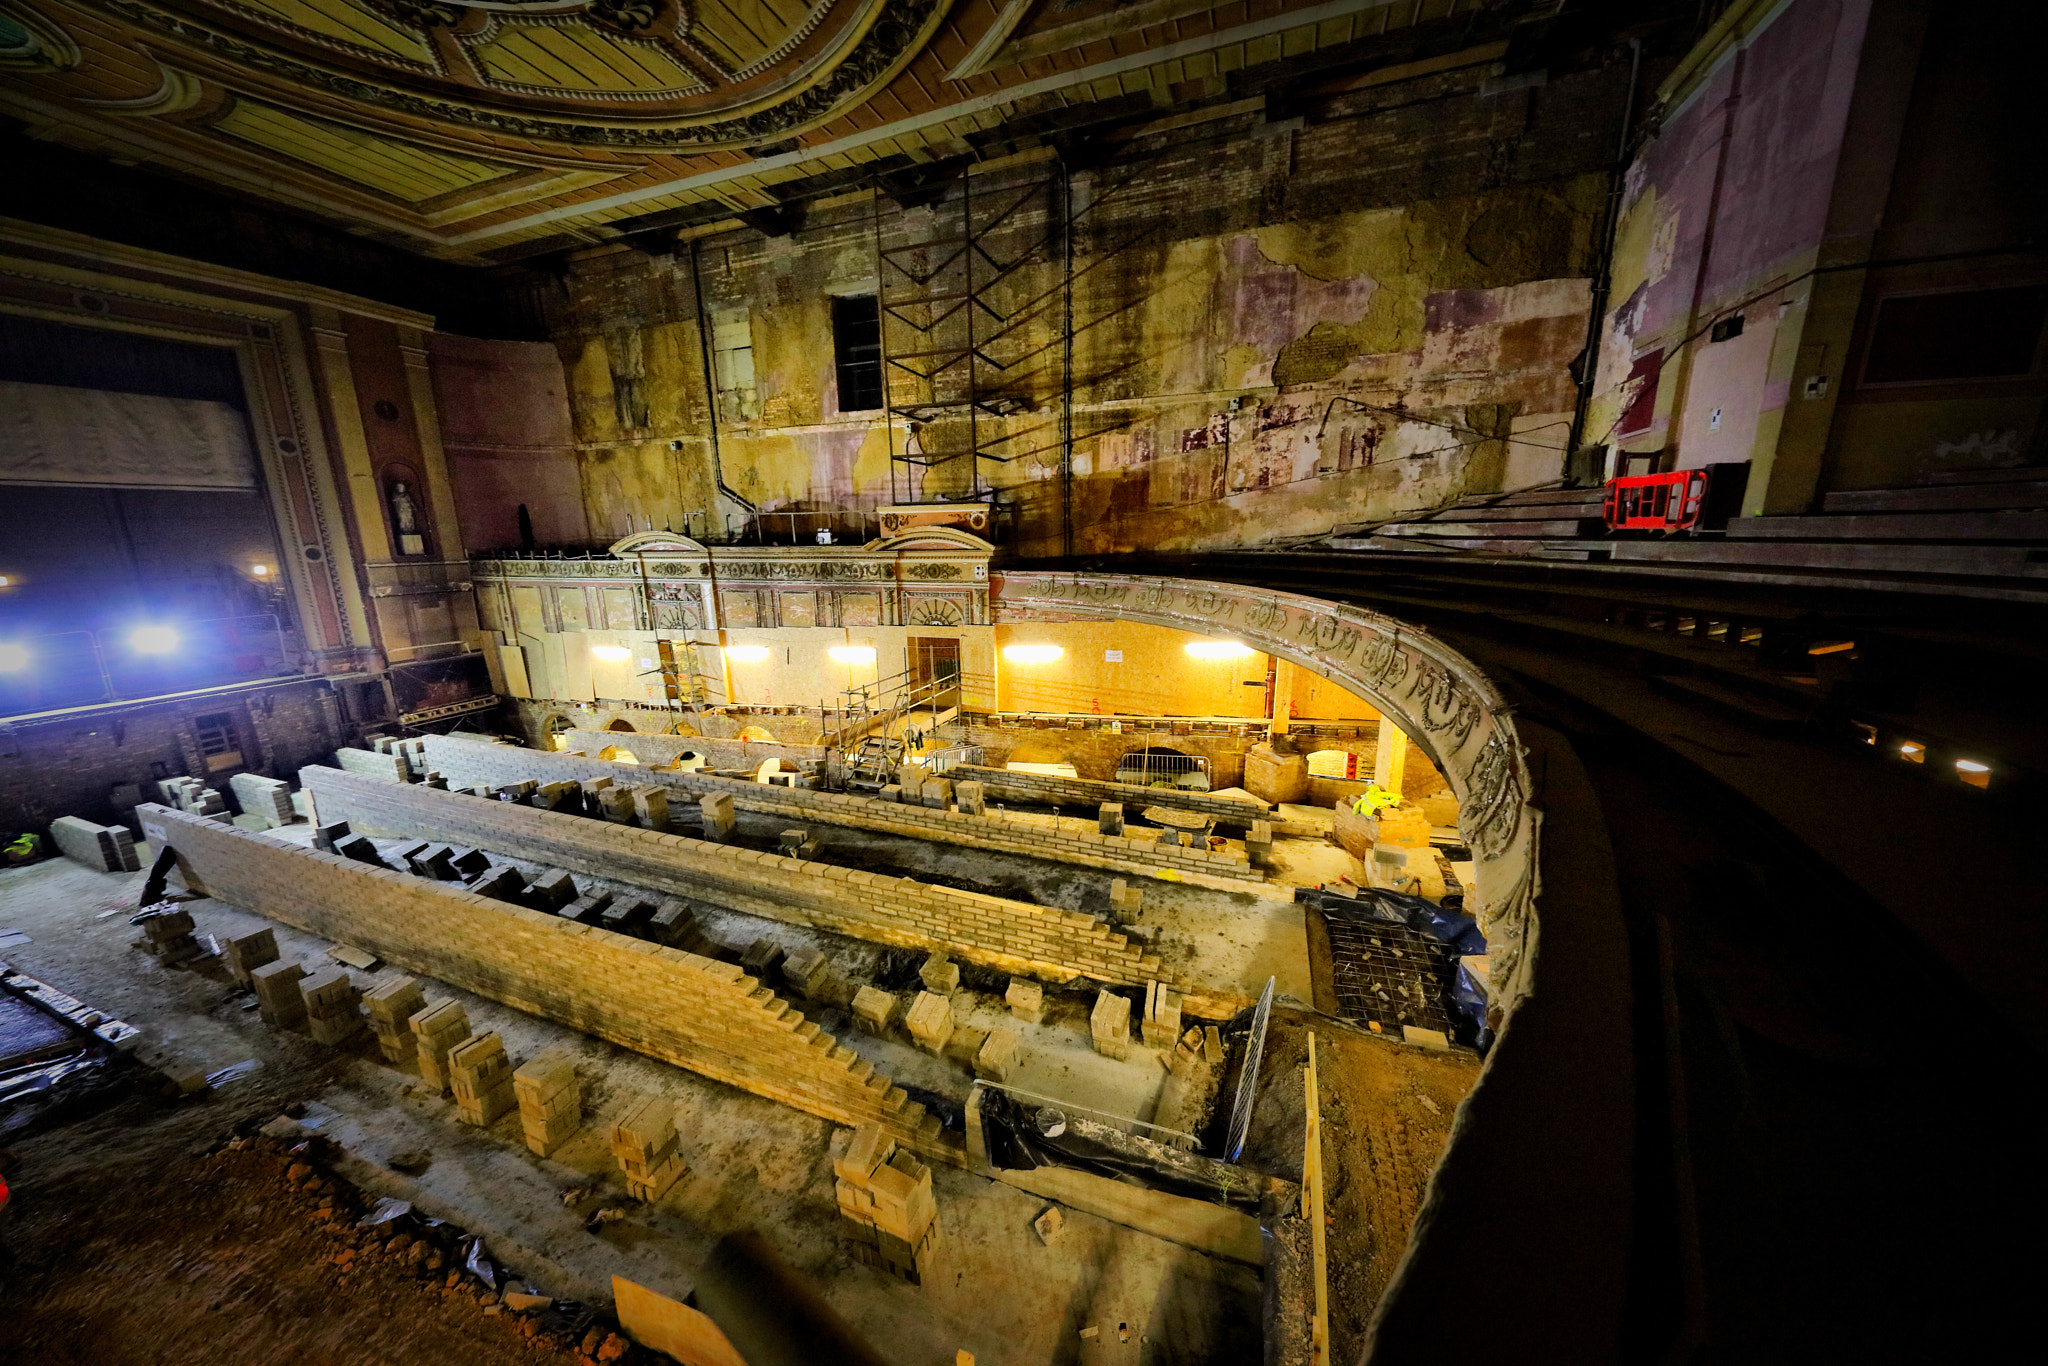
1032,654
852,654
153,640
611,654
1966,765
1218,649
259,570
746,654
13,658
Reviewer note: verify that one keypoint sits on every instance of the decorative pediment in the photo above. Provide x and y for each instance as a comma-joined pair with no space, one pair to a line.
932,538
650,542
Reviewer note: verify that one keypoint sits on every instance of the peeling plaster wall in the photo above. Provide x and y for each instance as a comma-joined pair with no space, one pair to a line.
1420,247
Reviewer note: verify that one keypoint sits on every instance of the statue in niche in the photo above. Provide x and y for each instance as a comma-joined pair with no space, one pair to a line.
405,515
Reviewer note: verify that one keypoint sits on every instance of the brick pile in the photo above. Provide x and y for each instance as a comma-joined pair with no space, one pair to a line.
247,952
481,1076
474,761
102,848
392,1005
389,768
191,795
710,1017
649,1152
1009,936
334,1012
550,1100
437,1030
266,802
1162,1015
885,1198
277,994
167,933
1109,1025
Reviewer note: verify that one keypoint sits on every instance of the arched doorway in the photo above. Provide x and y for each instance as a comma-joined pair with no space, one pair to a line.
618,755
755,735
555,731
623,726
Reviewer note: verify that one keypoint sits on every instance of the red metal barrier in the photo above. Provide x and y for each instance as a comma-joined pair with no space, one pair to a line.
1656,502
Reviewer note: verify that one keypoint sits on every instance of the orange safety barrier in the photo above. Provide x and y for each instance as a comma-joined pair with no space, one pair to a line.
1655,502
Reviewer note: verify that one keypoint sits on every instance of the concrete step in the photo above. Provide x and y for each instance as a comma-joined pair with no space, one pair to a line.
2018,495
1477,545
1900,526
1514,512
1559,529
1878,557
2010,474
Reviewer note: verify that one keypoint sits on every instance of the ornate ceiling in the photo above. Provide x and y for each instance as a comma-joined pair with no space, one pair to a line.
490,129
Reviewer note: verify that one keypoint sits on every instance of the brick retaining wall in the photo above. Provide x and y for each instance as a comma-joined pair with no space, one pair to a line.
1045,787
467,761
1009,936
679,1007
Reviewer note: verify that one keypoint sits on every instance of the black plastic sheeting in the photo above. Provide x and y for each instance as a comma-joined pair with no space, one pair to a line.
1018,1141
1453,928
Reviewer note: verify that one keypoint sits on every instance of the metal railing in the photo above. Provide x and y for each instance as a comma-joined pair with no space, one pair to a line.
1144,768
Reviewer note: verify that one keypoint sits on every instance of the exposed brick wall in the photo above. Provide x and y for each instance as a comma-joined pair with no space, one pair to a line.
679,1007
1093,749
1044,787
727,754
466,761
1009,936
78,765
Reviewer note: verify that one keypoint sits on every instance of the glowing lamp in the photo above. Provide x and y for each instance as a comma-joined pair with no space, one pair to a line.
259,570
611,654
1032,654
1972,766
852,654
13,658
1218,649
6,581
746,654
153,640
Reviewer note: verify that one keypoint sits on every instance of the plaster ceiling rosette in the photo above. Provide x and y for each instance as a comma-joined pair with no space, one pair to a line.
647,75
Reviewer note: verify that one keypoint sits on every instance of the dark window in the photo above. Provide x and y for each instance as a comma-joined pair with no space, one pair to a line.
1970,334
1727,329
857,352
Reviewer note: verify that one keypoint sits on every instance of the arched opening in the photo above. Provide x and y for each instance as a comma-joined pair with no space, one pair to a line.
1160,766
555,731
1039,757
689,761
769,768
684,728
756,734
618,755
619,725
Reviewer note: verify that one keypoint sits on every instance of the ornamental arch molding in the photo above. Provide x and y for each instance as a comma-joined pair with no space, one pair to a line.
1442,700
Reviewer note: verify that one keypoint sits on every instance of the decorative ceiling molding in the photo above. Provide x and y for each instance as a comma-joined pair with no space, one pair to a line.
31,42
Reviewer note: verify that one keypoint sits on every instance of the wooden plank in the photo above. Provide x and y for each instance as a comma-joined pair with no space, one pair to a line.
1903,526
665,1325
1312,1210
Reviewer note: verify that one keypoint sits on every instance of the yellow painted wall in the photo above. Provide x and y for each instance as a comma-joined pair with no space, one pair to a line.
1156,677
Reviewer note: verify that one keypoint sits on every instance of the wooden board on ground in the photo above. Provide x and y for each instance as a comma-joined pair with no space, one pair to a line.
666,1325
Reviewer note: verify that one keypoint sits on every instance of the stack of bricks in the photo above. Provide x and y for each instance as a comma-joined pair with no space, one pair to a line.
103,848
248,952
997,1055
885,1196
1162,1015
392,1005
550,1101
1026,1000
333,1006
481,1076
649,1153
436,1031
1110,1025
874,1010
930,1022
191,795
278,1000
167,931
266,802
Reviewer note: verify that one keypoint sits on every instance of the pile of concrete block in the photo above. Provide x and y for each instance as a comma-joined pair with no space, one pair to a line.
550,1101
800,843
1109,818
278,1001
930,1022
329,834
189,794
334,1012
874,1010
392,1005
380,764
1258,844
1162,1015
410,754
997,1056
940,974
649,1153
361,848
1124,897
266,802
481,1076
718,816
248,952
885,1197
970,799
436,1031
102,848
1026,1000
167,933
806,972
1110,1025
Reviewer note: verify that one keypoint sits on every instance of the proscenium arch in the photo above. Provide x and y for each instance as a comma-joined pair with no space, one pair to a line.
1447,706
